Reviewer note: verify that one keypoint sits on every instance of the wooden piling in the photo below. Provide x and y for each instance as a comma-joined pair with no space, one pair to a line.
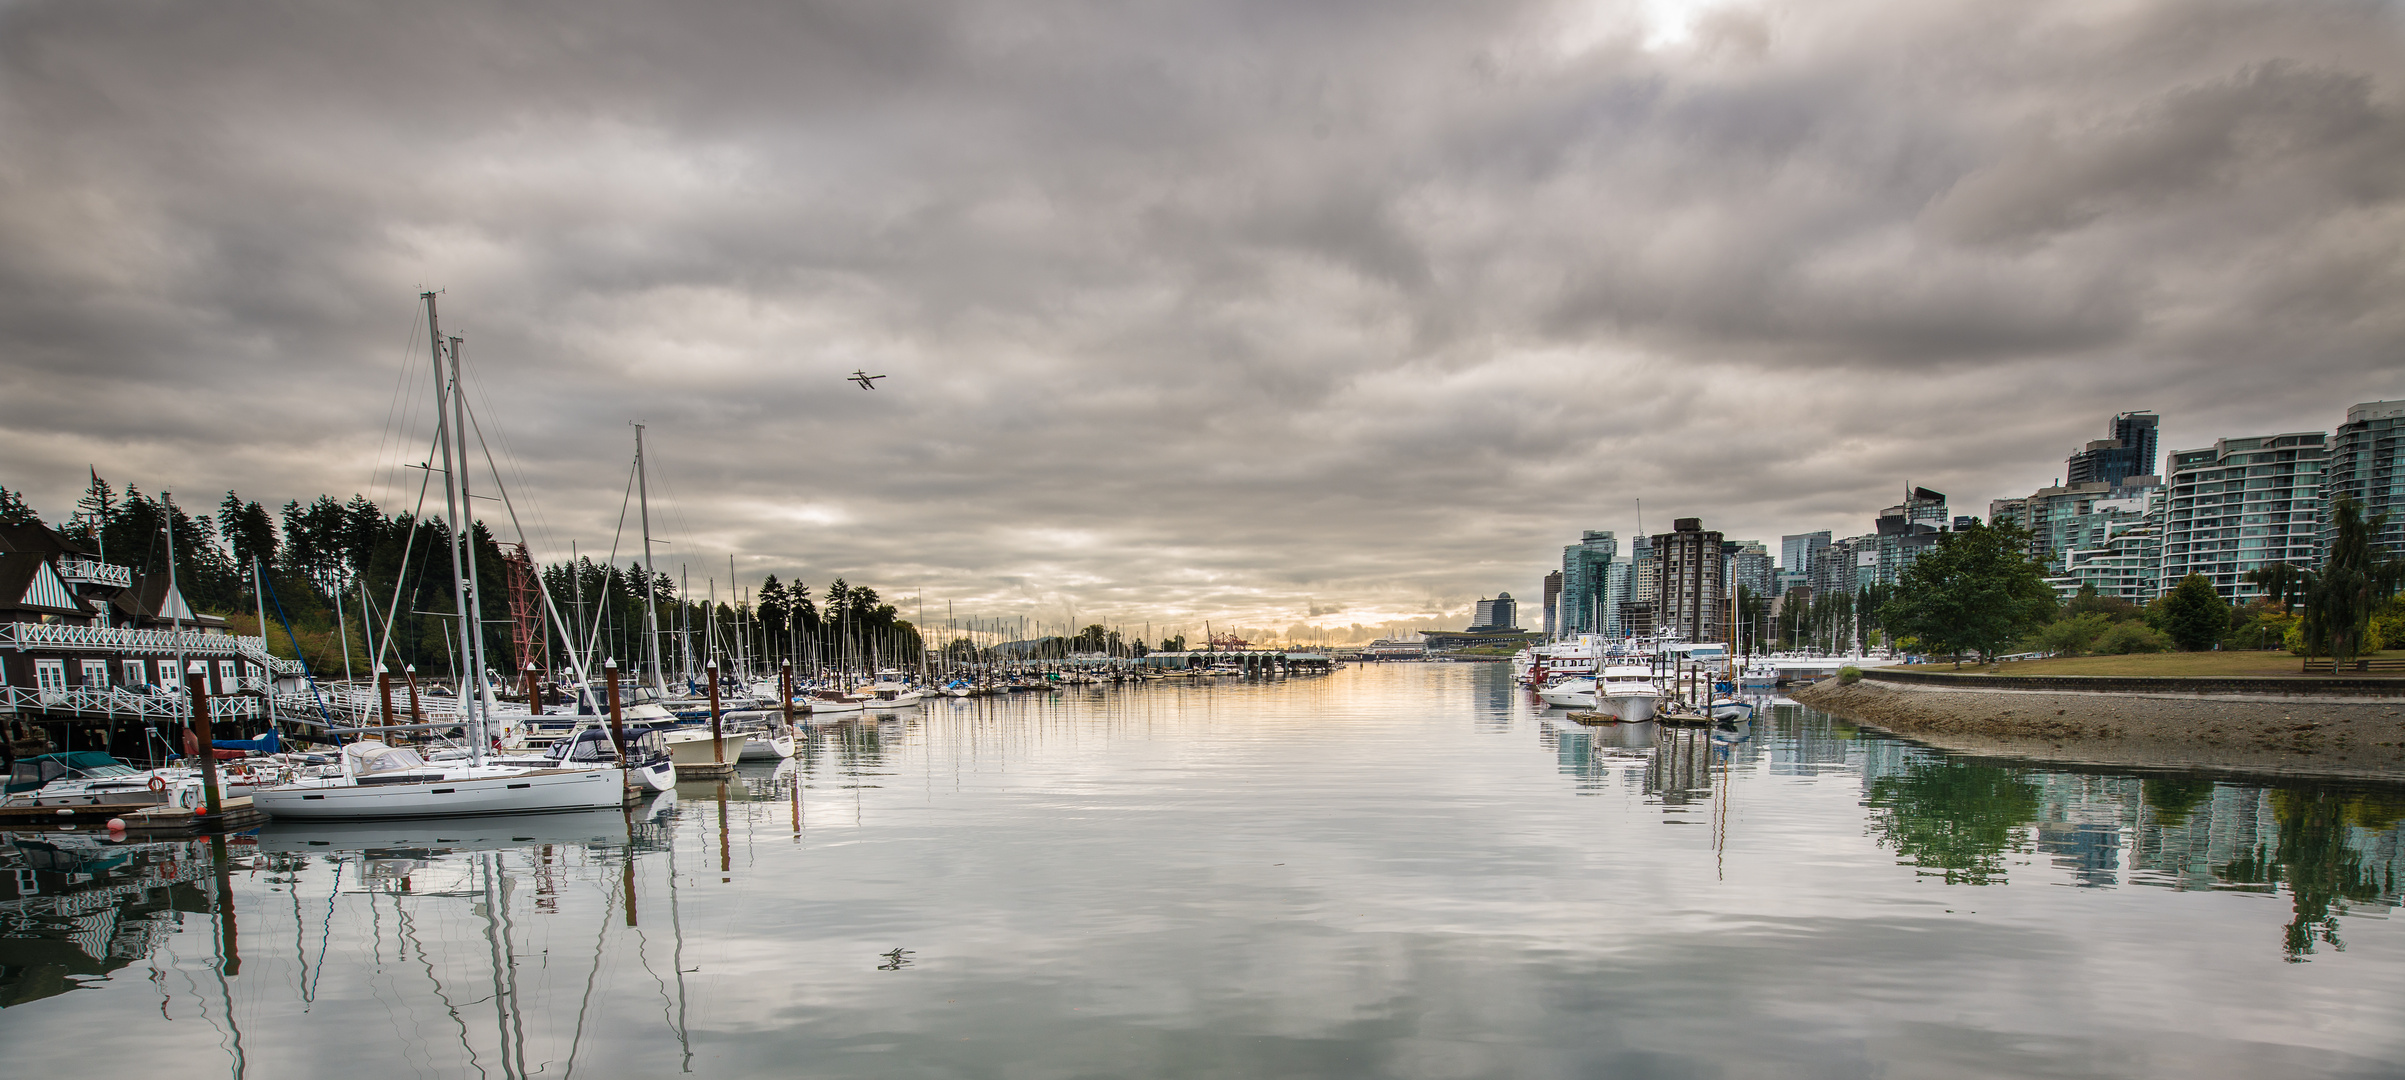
196,685
609,674
718,745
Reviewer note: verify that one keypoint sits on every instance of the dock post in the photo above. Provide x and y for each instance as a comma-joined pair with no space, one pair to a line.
534,692
384,693
785,686
718,746
416,715
196,685
609,674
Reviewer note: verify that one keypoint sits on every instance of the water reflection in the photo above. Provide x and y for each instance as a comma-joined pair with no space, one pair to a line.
1372,874
74,908
2331,847
1953,818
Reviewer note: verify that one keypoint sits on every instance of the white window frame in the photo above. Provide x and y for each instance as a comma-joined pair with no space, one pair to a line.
169,678
50,678
96,674
137,674
227,681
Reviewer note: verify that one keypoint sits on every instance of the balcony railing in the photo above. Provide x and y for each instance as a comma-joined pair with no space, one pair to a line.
150,642
91,571
170,707
122,704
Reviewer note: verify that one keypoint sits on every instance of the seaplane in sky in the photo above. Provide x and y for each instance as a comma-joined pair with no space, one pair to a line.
866,381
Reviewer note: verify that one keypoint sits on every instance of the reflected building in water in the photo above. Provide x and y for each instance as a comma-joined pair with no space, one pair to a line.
74,908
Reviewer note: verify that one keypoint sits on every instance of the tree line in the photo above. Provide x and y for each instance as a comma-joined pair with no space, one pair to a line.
340,574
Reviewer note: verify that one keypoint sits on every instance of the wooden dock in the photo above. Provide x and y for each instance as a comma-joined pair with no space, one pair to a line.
234,815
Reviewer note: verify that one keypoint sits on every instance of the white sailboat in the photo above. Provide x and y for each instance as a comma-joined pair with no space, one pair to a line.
381,781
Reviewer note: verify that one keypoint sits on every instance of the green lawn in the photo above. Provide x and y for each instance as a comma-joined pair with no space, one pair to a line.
2171,664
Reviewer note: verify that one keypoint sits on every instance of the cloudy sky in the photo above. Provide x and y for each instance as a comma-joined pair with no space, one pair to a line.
1266,313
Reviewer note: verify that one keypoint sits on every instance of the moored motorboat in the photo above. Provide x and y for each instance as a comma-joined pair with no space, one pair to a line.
91,778
1628,693
1573,693
1729,708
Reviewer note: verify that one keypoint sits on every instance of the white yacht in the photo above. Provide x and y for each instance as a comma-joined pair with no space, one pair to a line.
1572,693
1627,692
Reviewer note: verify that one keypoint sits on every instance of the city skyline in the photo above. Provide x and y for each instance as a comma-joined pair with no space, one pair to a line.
1301,315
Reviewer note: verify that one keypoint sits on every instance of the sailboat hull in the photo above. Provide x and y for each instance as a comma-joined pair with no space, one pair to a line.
516,792
763,746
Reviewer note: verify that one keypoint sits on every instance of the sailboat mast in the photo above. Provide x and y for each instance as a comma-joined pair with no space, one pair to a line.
474,609
443,392
651,610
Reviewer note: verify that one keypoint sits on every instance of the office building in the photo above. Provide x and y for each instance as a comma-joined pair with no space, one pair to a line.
2367,462
1751,569
1500,613
1584,574
2240,504
2129,452
1904,531
1553,604
1614,611
1796,553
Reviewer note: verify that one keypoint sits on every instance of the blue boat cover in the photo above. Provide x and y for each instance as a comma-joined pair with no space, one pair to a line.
264,744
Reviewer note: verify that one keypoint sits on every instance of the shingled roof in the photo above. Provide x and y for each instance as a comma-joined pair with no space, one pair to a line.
42,540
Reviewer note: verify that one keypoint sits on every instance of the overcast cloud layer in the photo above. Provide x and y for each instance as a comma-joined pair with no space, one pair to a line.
1255,312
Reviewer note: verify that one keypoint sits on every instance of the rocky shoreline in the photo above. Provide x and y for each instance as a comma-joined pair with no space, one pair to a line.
2305,736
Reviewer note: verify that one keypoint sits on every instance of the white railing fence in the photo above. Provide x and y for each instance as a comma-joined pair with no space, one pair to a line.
191,643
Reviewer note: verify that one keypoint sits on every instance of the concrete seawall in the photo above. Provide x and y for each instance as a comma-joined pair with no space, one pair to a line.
2353,732
2294,688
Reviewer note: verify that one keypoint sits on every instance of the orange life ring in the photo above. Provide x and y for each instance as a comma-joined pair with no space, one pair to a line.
158,783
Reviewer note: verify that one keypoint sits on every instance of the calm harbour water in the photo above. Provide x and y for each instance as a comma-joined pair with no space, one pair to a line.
1390,871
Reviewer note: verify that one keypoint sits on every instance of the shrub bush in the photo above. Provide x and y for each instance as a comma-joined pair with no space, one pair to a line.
1849,675
2070,635
2263,632
2130,637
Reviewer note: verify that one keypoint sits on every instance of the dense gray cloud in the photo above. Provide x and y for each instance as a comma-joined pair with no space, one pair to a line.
1254,312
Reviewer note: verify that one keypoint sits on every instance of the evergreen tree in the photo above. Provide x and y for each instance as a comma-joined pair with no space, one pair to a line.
2353,581
248,529
92,511
2193,614
804,613
13,510
776,613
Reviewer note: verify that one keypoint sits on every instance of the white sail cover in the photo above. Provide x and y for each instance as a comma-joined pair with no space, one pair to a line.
368,757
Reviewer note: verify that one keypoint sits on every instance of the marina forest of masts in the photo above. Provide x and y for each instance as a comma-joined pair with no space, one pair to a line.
353,586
